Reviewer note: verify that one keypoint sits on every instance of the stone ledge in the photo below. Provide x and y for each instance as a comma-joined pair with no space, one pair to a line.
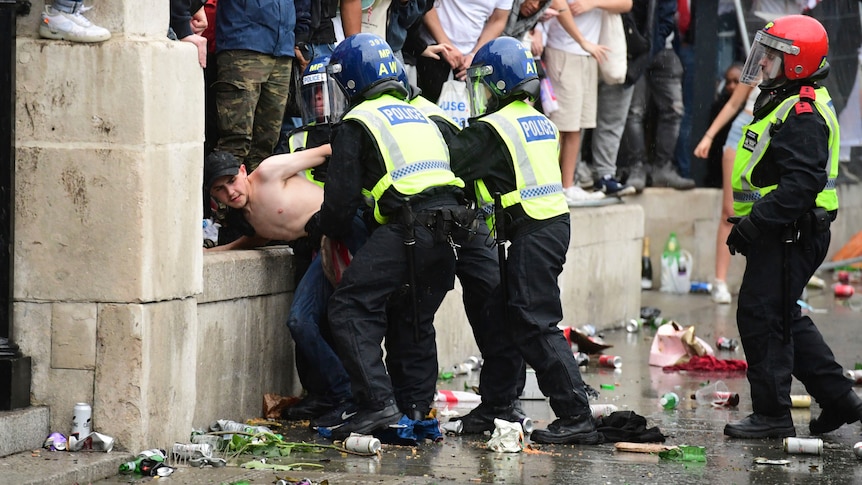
22,429
245,267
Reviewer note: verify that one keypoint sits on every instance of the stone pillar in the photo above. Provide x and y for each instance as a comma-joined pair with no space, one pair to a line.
108,258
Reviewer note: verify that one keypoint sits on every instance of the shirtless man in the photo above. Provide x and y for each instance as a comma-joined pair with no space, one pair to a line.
275,202
280,204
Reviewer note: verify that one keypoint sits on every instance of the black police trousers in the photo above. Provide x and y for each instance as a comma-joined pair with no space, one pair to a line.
535,260
374,287
771,361
477,269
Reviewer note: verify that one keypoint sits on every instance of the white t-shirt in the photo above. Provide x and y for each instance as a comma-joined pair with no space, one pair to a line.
463,20
590,25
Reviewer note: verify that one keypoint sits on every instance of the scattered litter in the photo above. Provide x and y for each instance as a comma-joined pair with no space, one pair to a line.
507,437
806,446
800,401
766,461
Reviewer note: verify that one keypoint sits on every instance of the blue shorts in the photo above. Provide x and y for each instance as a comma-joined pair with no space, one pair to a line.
735,133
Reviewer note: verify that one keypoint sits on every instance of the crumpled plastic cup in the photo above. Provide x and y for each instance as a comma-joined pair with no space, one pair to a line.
507,437
716,394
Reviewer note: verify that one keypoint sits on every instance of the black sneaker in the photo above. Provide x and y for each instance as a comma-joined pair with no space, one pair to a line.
335,418
312,406
761,426
481,418
578,430
366,422
610,186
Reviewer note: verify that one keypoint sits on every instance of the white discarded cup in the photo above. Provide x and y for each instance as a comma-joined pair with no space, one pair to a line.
715,394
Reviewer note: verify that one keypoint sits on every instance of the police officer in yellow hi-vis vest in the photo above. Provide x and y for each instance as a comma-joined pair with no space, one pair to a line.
785,199
478,272
511,149
386,153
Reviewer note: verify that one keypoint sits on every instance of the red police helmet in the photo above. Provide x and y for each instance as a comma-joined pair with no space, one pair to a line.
803,41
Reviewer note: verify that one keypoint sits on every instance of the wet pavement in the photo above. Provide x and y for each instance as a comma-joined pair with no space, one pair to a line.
636,386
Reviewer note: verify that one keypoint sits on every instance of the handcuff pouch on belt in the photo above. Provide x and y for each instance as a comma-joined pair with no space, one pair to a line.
445,221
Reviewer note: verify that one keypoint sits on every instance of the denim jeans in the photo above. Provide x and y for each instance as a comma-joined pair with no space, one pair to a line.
662,83
320,370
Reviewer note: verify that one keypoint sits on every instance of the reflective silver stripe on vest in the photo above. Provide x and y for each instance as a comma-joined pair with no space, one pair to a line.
521,152
830,184
749,196
767,135
297,141
399,164
761,145
540,191
416,167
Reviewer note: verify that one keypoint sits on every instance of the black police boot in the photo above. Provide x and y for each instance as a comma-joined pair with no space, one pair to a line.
845,410
312,406
366,422
577,430
761,426
481,418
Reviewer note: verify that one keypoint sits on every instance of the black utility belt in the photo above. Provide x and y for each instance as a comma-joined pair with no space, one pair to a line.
815,221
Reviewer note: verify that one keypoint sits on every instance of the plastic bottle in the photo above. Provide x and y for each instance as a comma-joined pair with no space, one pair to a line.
646,267
669,401
684,453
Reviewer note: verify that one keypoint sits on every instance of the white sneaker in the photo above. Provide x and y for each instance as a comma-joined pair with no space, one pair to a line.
720,293
73,27
577,196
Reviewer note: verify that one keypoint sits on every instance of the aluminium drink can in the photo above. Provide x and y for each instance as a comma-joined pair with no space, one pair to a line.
82,417
362,443
806,446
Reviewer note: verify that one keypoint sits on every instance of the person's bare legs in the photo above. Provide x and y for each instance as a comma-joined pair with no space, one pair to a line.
570,145
722,254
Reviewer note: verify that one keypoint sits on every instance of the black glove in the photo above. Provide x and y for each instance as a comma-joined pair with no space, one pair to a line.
744,233
312,227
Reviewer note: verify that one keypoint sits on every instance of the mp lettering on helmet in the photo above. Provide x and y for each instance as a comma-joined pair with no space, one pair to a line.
537,128
389,66
396,114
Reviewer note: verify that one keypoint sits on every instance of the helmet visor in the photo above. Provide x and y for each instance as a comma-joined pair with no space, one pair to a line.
765,60
337,97
315,99
477,90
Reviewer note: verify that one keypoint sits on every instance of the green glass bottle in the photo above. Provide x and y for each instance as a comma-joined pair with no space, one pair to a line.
684,453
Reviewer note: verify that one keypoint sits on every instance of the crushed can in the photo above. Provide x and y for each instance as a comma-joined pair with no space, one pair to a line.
843,291
610,361
362,444
82,417
582,359
805,446
700,287
192,451
633,325
800,401
857,449
55,442
452,427
91,442
725,343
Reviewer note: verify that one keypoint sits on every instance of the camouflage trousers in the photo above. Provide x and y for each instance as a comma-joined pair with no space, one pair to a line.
251,93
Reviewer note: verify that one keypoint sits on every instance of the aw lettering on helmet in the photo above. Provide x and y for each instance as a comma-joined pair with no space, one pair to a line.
389,66
402,114
531,64
536,128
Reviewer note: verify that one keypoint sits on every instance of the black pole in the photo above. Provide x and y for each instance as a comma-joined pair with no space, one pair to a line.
14,368
705,25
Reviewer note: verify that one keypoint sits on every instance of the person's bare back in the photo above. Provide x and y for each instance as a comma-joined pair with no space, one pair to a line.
279,209
275,200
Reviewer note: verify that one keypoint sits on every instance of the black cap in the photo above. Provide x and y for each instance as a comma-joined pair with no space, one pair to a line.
218,164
